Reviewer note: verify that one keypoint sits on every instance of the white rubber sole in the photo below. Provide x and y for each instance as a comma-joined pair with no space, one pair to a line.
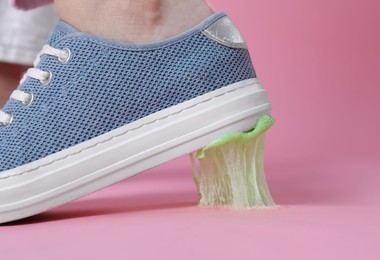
131,149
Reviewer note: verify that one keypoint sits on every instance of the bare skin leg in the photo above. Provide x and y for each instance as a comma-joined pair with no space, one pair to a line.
133,21
10,75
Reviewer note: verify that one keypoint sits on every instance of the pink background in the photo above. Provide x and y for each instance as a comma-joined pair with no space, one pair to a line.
320,61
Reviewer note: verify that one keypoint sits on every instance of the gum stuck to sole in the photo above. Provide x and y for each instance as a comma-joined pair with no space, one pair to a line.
232,170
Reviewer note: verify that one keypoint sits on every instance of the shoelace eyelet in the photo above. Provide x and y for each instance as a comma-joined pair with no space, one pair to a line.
67,59
44,77
29,101
47,80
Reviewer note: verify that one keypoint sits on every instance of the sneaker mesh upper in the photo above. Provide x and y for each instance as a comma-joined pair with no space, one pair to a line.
107,85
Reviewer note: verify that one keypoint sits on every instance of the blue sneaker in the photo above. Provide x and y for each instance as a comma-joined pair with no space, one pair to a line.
93,111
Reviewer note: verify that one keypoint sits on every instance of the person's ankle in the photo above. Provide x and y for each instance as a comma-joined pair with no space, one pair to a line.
174,20
134,21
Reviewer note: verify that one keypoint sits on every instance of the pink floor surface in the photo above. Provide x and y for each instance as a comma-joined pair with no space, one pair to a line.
153,216
320,63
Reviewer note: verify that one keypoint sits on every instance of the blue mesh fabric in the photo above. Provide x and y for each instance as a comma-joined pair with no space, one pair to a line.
107,85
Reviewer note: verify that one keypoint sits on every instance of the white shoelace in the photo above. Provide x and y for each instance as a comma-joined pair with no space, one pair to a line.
43,76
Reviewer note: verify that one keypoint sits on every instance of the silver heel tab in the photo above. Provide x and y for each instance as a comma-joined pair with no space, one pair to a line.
225,32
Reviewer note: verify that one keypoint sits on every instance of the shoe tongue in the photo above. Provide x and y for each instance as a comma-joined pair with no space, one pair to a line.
62,29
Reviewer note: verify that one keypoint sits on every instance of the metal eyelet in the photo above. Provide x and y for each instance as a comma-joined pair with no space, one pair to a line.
48,79
67,59
10,120
29,101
